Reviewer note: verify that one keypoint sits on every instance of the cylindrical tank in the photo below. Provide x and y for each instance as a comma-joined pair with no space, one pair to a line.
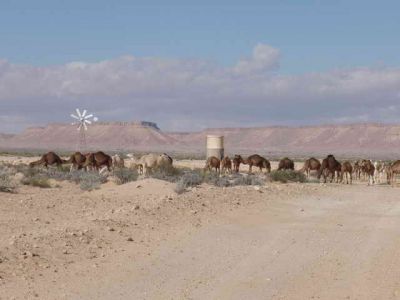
215,146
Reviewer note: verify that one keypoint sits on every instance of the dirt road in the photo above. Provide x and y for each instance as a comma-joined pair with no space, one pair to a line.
342,243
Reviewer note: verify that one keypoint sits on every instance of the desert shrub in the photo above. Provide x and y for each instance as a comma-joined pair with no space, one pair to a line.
240,179
90,180
76,175
285,176
125,175
214,179
6,183
197,177
170,173
58,173
221,181
188,179
37,180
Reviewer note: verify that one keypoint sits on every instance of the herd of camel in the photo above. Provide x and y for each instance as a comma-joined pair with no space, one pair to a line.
100,161
328,168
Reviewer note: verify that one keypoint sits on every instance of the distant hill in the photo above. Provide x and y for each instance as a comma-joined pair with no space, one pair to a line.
378,140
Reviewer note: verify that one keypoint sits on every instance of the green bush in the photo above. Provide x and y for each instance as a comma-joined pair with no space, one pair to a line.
285,176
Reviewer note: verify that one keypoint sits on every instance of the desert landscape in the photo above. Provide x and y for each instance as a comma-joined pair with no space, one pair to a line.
143,239
196,150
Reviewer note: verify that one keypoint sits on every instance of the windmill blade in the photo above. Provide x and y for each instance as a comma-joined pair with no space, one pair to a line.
88,116
79,127
87,122
85,126
84,113
75,117
78,112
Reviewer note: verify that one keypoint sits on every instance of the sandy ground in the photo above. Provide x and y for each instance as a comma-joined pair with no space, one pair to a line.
142,241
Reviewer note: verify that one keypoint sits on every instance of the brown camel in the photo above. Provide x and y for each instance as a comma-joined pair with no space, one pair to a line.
77,160
347,171
236,163
253,160
392,171
226,165
286,164
357,170
98,160
213,163
311,164
329,166
368,169
48,159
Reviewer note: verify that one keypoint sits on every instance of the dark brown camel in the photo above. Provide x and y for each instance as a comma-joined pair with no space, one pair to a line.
253,160
368,169
48,159
77,160
392,171
98,160
236,163
347,171
213,163
357,170
311,164
328,167
286,164
226,165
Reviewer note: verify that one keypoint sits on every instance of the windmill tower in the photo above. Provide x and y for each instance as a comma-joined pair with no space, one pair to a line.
82,120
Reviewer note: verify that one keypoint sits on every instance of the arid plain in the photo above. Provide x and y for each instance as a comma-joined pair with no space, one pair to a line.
142,240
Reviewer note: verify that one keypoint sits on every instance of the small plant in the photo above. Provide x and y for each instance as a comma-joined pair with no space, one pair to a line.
91,180
168,173
215,179
125,175
188,179
239,179
285,176
6,184
37,180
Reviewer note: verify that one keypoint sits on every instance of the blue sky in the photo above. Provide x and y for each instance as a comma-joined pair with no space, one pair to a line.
312,35
181,65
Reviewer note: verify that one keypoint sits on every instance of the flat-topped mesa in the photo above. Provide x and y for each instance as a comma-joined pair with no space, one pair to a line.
133,123
148,124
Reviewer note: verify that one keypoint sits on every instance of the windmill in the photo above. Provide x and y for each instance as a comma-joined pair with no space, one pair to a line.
82,120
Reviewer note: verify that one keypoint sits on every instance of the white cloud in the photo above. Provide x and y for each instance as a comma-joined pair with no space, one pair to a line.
265,58
193,94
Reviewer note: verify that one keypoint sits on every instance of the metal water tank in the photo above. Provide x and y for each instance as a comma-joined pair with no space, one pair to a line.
215,146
